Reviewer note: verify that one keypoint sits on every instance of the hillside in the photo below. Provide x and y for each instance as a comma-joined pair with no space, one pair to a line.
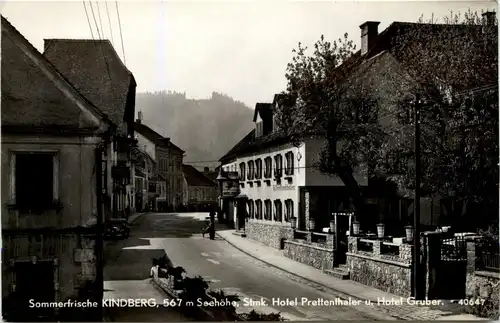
206,129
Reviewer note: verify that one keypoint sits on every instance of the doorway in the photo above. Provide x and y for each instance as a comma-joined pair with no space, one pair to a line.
35,283
342,227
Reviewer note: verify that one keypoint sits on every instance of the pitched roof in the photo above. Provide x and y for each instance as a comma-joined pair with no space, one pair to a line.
154,136
385,43
195,177
264,110
35,95
96,70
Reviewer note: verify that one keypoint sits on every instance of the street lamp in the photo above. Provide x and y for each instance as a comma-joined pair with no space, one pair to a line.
409,233
380,230
355,228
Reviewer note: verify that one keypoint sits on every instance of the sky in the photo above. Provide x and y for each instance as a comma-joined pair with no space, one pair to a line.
239,48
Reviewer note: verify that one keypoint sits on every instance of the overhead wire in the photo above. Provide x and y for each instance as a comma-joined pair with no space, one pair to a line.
109,22
88,20
100,42
121,33
100,20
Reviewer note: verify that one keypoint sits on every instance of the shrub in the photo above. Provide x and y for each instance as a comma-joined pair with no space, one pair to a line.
254,316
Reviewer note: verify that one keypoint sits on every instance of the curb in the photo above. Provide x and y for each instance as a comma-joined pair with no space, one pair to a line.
138,217
337,293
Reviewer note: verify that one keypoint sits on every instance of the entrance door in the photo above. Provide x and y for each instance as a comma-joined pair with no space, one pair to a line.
342,226
35,282
242,210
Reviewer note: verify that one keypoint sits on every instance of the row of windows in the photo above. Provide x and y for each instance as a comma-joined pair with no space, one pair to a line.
166,165
265,211
254,169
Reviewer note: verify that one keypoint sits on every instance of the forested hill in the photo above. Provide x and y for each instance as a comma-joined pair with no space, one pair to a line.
206,129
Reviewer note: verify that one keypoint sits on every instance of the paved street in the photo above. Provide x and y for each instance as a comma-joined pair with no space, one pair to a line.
126,275
225,267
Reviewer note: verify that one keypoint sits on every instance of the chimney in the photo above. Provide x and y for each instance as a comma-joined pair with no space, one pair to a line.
369,33
206,170
489,18
139,117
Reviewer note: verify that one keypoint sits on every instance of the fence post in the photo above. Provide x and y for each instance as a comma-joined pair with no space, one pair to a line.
471,256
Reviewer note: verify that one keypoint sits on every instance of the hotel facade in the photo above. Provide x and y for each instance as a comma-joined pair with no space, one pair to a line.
277,181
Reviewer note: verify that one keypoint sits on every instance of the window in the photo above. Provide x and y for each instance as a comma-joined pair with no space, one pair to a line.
288,210
242,171
259,129
178,163
258,208
278,211
268,210
35,180
289,163
258,166
251,170
268,167
278,165
251,209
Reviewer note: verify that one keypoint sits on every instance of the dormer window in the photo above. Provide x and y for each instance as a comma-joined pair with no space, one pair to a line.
258,169
289,163
278,165
259,128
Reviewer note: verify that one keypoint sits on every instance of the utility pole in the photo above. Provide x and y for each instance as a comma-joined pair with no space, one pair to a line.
99,245
416,203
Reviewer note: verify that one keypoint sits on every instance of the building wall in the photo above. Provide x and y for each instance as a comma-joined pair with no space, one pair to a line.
201,193
175,177
75,187
145,145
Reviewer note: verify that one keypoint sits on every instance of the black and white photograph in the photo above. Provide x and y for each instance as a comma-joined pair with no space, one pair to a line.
279,160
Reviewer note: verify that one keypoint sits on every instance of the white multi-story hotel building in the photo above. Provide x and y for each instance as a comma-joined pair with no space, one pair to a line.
277,181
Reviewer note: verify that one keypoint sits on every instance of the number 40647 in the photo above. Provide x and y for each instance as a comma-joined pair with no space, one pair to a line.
471,301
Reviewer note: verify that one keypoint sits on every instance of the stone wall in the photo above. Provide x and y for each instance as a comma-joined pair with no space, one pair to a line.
317,255
268,232
72,256
390,272
482,287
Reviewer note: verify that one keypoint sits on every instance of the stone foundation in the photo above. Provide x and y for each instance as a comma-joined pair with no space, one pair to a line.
482,288
268,233
310,253
391,273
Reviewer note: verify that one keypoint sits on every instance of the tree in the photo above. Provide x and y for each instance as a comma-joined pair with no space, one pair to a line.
453,69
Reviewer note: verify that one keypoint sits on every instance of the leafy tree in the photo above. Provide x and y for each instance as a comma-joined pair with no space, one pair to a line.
451,67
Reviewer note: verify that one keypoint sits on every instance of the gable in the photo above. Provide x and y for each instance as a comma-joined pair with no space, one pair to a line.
96,71
33,93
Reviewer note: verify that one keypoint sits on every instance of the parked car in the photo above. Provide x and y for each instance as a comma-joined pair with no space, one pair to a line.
116,228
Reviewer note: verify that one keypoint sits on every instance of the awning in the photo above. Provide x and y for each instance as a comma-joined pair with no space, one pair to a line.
241,196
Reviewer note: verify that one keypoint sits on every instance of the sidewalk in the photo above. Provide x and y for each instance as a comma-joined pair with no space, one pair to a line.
343,288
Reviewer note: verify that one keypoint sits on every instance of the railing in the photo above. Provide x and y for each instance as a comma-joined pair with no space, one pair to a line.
487,255
365,245
319,237
453,249
300,234
388,248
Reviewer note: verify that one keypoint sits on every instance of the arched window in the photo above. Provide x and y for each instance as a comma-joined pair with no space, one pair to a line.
288,210
278,211
289,163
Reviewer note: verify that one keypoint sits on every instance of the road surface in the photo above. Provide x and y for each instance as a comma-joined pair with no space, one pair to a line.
225,267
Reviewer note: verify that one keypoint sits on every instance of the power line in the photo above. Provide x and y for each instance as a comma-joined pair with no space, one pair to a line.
99,34
121,34
88,20
109,21
100,20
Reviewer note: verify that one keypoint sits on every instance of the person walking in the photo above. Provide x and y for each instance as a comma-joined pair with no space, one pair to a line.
212,225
